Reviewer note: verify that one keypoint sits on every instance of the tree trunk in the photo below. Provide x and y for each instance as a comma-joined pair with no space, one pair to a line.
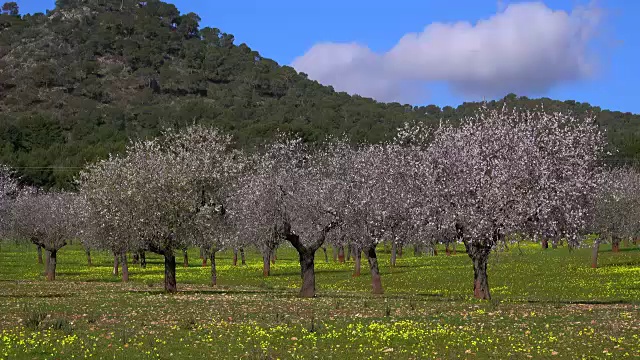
479,254
235,257
394,253
376,281
135,258
242,258
554,243
454,247
202,254
400,250
594,253
348,252
143,260
39,254
266,265
114,272
334,252
308,274
416,250
446,249
357,256
615,244
88,253
185,258
545,244
326,256
52,260
341,254
170,273
125,267
214,272
273,256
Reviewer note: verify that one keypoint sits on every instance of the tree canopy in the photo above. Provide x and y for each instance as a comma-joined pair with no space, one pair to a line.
79,81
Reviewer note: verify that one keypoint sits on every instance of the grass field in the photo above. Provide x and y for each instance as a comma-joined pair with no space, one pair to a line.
546,304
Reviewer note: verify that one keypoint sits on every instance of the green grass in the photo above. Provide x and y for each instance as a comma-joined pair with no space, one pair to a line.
547,304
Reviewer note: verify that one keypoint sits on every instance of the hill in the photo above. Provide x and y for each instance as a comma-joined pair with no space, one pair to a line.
78,82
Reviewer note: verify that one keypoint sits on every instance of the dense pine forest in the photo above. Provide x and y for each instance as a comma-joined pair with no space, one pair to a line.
79,81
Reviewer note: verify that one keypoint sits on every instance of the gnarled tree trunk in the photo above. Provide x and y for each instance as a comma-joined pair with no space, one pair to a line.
615,244
266,265
125,267
214,271
341,253
357,256
116,264
185,258
594,253
52,261
479,254
242,257
376,281
39,254
170,272
308,273
394,253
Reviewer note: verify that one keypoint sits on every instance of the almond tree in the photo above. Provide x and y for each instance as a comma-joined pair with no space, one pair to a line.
164,182
49,220
503,172
617,206
292,195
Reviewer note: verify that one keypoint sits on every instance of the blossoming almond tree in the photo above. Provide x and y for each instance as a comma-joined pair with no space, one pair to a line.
164,182
49,220
292,195
500,169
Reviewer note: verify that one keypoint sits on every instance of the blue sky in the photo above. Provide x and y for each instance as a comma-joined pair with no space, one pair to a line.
287,30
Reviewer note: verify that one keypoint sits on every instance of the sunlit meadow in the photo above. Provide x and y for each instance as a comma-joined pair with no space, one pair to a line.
546,304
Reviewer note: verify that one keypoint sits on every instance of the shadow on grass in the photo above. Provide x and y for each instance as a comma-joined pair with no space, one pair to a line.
35,296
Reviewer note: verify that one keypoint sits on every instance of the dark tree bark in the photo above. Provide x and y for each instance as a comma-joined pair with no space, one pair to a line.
202,254
554,242
479,254
308,274
446,249
416,250
235,257
334,252
214,272
242,257
348,252
615,244
266,264
394,253
326,256
341,254
185,257
170,272
273,256
135,258
357,256
454,248
39,254
205,256
545,243
125,267
116,264
594,253
376,280
400,248
52,262
143,259
307,257
88,253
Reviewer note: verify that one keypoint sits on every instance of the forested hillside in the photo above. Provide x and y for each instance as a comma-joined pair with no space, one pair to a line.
78,82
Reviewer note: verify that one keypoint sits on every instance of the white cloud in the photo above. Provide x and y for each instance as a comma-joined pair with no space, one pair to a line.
525,48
